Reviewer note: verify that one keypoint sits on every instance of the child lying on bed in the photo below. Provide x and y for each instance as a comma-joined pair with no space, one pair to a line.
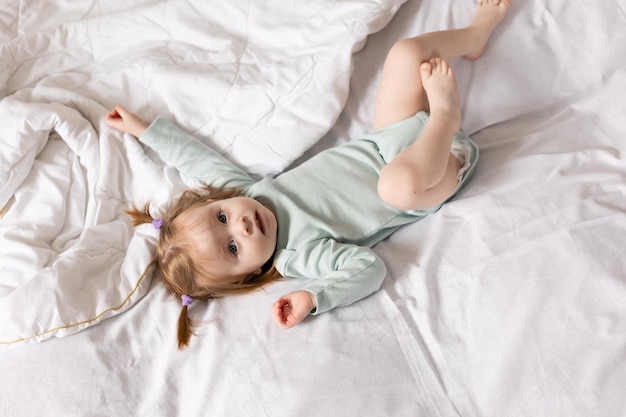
320,219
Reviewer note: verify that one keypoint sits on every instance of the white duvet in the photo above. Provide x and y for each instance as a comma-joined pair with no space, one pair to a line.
260,83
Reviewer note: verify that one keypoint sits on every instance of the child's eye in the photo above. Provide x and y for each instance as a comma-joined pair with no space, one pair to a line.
221,217
232,248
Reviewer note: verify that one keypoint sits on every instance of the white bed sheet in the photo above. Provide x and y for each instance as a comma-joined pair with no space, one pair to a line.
507,302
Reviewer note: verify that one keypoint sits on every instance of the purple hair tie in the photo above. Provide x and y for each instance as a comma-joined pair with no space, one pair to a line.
157,223
186,299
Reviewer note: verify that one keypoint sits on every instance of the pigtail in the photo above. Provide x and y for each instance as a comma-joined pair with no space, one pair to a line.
175,266
185,328
140,216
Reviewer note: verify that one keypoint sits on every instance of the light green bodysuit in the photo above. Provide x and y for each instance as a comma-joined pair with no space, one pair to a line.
328,211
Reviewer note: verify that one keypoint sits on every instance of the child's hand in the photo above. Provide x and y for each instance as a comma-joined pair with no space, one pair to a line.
121,119
292,308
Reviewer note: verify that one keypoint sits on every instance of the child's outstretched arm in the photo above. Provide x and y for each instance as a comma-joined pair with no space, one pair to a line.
292,308
121,119
193,158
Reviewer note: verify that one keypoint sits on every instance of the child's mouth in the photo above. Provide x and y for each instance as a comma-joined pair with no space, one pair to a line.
259,223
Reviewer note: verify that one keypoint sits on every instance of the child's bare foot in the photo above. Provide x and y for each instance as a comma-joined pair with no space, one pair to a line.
442,91
488,14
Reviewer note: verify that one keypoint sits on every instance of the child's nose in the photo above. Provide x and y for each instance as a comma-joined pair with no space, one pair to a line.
244,225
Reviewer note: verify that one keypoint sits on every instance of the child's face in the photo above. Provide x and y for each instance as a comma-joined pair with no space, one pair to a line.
239,232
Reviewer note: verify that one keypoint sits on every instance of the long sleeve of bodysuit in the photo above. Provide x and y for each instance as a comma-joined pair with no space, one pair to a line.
191,157
343,273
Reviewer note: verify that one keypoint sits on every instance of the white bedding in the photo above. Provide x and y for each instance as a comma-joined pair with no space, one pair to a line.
507,302
246,77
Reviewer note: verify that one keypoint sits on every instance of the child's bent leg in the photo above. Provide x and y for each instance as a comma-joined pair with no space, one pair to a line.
400,92
424,174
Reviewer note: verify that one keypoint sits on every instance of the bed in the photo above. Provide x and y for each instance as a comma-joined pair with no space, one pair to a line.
509,301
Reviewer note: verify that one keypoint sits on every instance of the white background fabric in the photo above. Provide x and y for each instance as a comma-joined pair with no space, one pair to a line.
507,302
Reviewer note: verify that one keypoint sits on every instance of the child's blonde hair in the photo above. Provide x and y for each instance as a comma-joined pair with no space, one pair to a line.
178,262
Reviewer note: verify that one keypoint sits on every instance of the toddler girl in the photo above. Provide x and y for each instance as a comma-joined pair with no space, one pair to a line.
320,219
